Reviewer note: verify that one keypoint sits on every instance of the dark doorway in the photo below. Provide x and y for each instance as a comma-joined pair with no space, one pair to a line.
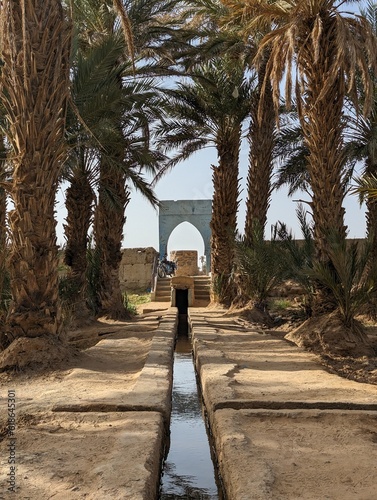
181,300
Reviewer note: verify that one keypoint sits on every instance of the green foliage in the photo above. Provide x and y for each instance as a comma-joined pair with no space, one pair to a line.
281,304
298,257
68,290
220,287
128,305
350,275
260,267
137,299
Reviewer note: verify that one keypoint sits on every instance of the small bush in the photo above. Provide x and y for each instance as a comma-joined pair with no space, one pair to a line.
281,304
128,305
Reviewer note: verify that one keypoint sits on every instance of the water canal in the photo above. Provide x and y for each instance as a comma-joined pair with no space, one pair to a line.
189,471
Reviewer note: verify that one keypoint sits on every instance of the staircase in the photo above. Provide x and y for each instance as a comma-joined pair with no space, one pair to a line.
163,293
202,285
201,289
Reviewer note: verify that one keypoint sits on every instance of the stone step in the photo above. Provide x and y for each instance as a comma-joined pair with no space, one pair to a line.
202,285
163,293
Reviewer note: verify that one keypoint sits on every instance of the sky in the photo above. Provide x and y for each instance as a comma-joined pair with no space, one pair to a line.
192,180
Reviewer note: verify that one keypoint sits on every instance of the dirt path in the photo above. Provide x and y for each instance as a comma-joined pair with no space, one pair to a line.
116,389
96,454
284,427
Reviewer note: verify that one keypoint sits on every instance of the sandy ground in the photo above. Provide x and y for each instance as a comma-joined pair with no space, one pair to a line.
69,455
284,454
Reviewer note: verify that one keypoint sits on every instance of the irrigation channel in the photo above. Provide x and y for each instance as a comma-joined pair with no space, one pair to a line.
190,470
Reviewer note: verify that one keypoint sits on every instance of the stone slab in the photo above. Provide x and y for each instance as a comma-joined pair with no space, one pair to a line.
91,455
266,455
283,427
239,367
151,390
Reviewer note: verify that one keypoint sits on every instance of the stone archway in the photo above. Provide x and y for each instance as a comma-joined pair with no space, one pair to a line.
196,212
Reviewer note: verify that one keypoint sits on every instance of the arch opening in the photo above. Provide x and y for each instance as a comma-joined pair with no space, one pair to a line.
182,215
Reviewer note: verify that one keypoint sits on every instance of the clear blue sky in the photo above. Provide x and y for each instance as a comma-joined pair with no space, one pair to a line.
192,180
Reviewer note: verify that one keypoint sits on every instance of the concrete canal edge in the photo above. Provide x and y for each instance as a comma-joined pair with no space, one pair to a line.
140,423
279,421
153,391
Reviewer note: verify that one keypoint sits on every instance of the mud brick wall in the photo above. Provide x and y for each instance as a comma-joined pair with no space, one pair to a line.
136,269
187,261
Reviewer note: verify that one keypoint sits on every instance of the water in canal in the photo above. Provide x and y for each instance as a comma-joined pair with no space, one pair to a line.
189,472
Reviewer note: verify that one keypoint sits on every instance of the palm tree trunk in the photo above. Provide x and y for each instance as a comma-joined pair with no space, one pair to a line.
261,143
3,198
322,126
4,284
79,204
371,212
108,230
36,46
224,217
371,232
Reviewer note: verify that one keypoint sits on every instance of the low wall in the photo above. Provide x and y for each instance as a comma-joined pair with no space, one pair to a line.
187,262
135,272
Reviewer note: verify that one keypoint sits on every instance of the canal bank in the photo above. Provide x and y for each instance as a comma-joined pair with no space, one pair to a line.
283,427
95,427
190,469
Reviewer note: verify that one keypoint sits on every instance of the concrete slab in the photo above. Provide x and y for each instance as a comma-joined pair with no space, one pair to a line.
306,455
284,428
92,455
151,390
96,428
246,369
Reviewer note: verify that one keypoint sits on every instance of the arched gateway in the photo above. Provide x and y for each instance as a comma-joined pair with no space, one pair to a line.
196,212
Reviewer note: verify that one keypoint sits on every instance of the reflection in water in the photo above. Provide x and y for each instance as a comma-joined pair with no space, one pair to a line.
188,471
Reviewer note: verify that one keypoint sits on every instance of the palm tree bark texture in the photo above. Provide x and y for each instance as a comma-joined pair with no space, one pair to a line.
321,118
79,204
261,142
224,214
35,82
108,232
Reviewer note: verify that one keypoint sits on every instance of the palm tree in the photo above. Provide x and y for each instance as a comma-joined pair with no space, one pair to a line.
216,32
328,49
211,110
95,96
363,144
35,84
261,140
131,157
132,151
115,109
4,274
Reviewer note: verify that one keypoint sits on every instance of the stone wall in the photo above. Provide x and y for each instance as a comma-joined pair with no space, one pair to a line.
187,261
136,269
